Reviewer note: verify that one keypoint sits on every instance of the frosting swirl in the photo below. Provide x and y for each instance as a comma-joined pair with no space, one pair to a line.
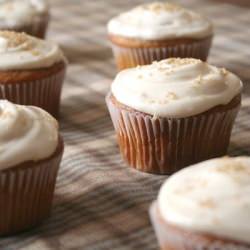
211,197
160,21
21,51
27,134
175,87
16,13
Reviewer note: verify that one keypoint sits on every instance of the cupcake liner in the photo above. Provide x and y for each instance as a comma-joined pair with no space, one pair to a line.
26,194
37,28
131,57
165,145
44,93
169,238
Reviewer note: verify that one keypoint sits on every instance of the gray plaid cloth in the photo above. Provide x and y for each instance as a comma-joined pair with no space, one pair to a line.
100,203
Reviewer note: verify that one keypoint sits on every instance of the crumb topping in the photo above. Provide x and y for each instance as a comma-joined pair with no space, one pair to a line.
160,6
180,61
232,168
171,96
207,203
14,39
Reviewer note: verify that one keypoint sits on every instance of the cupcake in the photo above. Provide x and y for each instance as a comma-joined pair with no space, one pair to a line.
205,207
31,71
29,16
173,113
156,31
31,152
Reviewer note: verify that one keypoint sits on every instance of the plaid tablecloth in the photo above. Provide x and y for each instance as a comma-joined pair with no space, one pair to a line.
100,203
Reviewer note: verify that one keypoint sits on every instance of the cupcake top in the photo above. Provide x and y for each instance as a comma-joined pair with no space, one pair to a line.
15,13
158,20
175,87
211,197
27,134
19,51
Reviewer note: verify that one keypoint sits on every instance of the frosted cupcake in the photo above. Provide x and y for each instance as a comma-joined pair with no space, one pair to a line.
156,31
31,152
205,206
31,71
173,113
29,16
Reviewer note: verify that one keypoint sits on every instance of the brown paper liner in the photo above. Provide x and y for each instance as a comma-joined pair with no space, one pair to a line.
37,28
26,193
172,238
44,93
127,57
165,145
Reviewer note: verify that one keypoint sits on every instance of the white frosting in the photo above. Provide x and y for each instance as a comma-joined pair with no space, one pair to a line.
27,133
158,21
211,197
18,12
20,51
175,87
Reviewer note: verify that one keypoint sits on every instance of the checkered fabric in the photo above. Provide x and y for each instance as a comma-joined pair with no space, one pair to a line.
99,202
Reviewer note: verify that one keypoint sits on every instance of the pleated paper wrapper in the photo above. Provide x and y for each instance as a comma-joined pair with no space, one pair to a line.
131,57
44,93
166,145
26,194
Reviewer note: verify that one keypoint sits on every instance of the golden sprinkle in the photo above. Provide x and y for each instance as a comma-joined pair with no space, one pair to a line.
224,71
160,6
198,80
171,96
216,221
35,53
231,168
207,203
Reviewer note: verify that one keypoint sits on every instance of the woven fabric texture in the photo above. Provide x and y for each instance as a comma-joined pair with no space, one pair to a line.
100,203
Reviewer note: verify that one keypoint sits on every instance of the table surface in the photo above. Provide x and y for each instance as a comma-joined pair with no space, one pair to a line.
99,202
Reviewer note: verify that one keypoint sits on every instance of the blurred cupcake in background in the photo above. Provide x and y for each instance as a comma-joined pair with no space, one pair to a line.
29,16
173,113
31,153
205,207
159,30
31,71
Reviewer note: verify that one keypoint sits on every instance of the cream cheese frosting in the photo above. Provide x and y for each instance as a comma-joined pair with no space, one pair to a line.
27,133
175,87
16,12
211,197
20,51
158,20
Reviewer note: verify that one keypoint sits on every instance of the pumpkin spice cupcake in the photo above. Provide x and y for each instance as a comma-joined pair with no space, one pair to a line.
205,207
156,31
29,16
173,113
31,71
31,152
